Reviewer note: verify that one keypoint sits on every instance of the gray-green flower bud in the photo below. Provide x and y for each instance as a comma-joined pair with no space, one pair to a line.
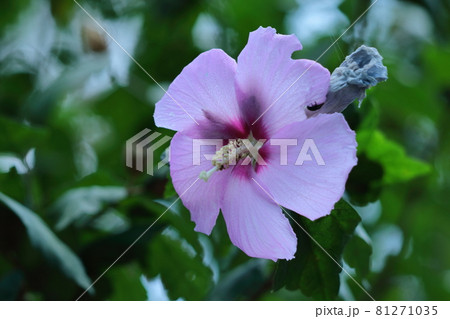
360,70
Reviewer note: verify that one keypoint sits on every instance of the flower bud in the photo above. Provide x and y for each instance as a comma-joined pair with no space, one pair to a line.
360,70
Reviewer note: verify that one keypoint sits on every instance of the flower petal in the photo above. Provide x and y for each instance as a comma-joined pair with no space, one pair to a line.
202,198
311,189
269,80
255,223
205,85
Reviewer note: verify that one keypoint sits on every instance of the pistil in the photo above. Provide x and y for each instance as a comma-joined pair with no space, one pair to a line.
229,154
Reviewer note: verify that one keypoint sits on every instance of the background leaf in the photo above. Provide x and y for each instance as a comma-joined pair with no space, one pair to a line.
243,282
397,166
46,241
78,202
10,285
357,254
312,270
126,281
176,263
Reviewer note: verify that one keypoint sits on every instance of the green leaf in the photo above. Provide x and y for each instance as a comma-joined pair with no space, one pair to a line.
46,241
12,90
241,282
312,270
85,201
15,186
10,285
364,184
169,190
99,254
126,283
179,217
357,255
19,138
397,166
182,271
10,11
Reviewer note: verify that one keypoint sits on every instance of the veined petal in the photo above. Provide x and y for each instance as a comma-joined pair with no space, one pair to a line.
312,188
255,223
269,81
205,85
203,198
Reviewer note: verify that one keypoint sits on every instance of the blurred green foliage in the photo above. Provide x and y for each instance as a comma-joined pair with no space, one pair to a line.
314,270
69,206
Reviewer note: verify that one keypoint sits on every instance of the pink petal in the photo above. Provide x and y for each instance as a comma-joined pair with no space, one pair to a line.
202,198
255,223
206,84
267,73
311,189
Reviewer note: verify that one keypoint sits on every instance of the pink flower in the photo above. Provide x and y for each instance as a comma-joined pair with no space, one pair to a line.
262,96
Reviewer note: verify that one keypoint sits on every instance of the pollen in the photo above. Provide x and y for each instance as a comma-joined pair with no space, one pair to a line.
227,155
230,154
